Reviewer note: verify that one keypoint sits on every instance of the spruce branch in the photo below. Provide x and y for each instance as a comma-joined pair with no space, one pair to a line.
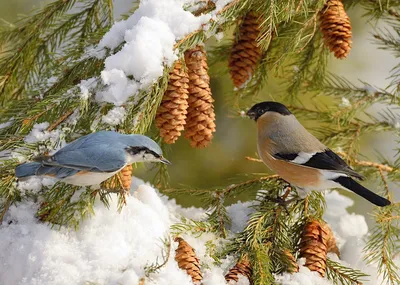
41,37
339,87
165,253
219,217
309,66
383,242
340,274
379,166
195,228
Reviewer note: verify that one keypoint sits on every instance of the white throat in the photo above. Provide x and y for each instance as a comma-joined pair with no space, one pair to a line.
140,157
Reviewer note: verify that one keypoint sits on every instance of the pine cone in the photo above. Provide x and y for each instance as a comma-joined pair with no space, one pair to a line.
313,247
245,53
330,240
242,267
200,118
122,179
336,28
294,267
187,260
171,114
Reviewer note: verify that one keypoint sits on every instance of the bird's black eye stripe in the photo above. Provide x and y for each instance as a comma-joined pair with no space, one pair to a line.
133,150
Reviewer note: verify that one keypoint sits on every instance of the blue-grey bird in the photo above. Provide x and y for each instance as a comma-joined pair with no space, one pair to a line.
93,158
287,148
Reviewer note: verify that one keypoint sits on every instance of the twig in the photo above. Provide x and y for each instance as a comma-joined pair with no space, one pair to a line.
390,218
385,183
380,166
209,5
356,136
253,159
230,188
59,121
168,253
221,222
299,5
28,120
199,30
6,206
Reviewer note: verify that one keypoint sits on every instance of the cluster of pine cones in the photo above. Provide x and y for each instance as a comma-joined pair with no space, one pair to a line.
187,104
316,241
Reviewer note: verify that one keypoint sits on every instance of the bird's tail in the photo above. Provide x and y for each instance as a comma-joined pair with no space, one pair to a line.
27,169
357,188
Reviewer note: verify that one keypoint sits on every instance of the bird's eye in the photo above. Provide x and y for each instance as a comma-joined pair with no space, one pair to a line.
260,111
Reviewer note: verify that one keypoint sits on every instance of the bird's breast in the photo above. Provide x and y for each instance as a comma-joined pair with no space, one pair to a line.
296,175
87,178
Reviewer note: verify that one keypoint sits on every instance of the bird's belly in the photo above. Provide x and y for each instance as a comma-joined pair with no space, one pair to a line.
85,178
300,176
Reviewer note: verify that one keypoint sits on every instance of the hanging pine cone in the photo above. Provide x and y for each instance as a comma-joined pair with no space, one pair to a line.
313,247
293,266
187,260
200,124
171,114
245,53
120,181
330,240
336,28
242,267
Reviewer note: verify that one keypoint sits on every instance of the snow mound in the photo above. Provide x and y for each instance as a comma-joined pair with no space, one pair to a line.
115,248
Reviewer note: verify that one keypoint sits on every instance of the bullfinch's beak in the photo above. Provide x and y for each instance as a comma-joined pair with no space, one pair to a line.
251,114
164,160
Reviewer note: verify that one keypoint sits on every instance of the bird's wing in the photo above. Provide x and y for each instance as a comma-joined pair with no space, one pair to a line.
325,160
98,158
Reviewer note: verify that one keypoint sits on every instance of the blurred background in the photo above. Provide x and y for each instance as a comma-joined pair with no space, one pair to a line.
223,163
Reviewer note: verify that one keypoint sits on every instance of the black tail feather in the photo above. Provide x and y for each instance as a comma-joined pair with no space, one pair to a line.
357,188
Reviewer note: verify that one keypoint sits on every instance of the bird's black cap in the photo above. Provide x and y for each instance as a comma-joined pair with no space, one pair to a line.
261,108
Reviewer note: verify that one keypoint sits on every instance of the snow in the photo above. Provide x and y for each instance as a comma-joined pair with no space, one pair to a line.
39,133
35,183
239,213
7,124
352,225
345,103
119,87
115,116
115,248
303,277
148,39
85,86
149,36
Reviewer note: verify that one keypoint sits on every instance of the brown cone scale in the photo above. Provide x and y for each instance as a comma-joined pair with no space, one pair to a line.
330,240
336,28
293,266
246,53
242,267
122,179
200,124
171,115
313,246
187,260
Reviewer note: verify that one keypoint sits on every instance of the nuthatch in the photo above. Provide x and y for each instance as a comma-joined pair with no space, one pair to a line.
288,149
93,158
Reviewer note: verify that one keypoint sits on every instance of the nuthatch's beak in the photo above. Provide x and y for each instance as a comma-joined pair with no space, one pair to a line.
164,160
251,114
